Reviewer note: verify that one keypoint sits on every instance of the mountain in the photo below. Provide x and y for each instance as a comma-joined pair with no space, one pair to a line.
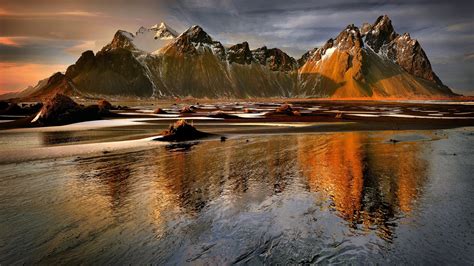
373,61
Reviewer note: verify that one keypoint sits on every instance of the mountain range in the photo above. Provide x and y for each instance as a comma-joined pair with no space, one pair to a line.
368,61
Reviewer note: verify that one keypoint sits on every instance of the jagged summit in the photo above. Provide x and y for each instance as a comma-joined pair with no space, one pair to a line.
196,34
406,52
239,53
381,33
348,38
193,41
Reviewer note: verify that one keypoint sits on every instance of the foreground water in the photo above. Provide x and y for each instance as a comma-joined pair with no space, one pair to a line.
300,198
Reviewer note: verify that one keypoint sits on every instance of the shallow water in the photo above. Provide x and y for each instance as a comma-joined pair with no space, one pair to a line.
301,198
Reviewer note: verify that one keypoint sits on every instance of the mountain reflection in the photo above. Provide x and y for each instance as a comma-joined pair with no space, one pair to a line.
368,181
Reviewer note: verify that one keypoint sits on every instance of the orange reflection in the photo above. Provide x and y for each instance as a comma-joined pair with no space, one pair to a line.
334,164
367,178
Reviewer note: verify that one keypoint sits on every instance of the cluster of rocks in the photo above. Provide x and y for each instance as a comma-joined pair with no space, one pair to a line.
62,110
12,108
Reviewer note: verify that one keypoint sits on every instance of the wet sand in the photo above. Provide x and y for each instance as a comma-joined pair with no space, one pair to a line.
344,197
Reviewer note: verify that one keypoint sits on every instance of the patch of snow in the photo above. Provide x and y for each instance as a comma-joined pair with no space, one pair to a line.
328,53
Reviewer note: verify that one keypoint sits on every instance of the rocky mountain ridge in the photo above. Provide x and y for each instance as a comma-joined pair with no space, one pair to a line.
373,61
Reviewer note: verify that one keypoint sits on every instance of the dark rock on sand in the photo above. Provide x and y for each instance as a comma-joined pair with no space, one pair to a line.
3,105
182,131
221,114
159,111
24,109
285,109
187,110
61,110
104,105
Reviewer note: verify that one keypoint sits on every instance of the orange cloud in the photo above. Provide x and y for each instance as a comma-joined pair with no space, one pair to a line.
8,41
18,76
75,13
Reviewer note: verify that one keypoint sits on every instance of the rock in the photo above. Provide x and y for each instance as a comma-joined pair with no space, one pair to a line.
182,131
221,114
186,110
104,105
223,139
14,109
61,110
24,109
285,109
296,113
159,111
3,105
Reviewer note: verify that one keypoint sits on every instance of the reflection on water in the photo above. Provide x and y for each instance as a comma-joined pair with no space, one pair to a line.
368,184
288,199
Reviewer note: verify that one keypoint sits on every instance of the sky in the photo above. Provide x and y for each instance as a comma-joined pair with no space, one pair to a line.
40,37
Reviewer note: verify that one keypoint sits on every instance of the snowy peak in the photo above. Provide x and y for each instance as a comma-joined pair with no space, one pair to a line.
164,32
145,39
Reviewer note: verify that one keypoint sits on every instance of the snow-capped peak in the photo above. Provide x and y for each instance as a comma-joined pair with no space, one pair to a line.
151,39
163,31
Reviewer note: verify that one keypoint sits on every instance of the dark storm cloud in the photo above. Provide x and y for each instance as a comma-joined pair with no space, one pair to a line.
444,28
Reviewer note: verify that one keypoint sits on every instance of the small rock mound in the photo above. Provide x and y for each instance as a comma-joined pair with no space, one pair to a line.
285,109
159,111
187,110
221,114
104,105
182,131
61,110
